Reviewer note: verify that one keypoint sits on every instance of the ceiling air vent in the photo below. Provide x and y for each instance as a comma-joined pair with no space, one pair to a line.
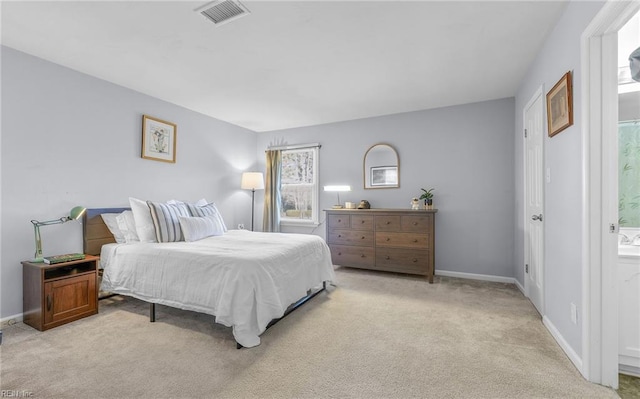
221,12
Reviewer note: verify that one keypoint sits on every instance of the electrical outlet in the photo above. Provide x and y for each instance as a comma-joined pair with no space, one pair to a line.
240,226
574,313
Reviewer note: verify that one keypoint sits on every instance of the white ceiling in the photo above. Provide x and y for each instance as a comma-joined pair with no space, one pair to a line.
293,63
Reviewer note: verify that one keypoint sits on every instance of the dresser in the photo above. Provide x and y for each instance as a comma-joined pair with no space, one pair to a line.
395,240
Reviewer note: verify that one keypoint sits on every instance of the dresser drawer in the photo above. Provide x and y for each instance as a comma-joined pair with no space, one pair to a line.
344,255
362,222
417,223
351,237
388,223
404,240
403,261
339,222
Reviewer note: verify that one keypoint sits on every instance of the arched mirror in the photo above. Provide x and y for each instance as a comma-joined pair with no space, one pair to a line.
381,167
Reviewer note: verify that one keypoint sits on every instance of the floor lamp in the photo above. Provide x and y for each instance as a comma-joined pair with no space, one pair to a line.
252,181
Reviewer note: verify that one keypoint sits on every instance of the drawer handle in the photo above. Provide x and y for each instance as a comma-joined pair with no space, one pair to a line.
339,220
415,223
388,222
387,257
49,303
388,239
363,237
339,235
362,255
415,260
415,240
362,221
339,253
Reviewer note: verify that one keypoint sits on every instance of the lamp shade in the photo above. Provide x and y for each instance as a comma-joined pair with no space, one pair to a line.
252,181
77,212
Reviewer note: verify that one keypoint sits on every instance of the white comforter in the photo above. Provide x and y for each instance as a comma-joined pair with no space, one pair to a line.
244,278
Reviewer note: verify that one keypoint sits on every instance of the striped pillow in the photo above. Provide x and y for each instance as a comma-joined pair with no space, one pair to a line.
207,210
166,220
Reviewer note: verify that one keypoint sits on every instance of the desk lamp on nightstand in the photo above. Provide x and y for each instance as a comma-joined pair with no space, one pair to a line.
75,214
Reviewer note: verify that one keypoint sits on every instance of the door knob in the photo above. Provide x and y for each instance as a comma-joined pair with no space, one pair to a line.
537,217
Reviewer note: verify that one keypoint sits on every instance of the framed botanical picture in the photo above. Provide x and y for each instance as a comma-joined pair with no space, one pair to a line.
384,176
158,139
560,106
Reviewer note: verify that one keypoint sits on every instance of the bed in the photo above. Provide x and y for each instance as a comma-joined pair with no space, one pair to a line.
247,280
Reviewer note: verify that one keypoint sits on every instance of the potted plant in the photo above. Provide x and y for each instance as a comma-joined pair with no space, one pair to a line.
427,196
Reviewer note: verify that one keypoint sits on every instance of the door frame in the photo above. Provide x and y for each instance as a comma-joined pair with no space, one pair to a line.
599,297
538,93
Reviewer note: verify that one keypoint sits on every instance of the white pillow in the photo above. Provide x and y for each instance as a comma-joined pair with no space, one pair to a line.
144,224
197,228
200,202
127,225
206,210
112,224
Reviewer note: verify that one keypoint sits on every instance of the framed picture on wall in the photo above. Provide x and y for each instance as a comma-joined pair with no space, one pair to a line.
384,176
560,106
158,139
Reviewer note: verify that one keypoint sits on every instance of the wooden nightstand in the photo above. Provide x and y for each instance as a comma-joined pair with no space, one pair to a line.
57,294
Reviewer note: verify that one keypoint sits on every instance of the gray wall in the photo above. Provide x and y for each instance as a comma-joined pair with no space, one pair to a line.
465,152
629,106
70,139
563,156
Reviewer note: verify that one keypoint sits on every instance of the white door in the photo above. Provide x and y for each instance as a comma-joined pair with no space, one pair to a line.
534,190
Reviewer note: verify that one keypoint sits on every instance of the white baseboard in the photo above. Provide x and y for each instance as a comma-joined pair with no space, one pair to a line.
629,370
520,287
7,321
568,350
473,276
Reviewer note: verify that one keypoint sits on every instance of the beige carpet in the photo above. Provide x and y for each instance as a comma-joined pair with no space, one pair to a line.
376,335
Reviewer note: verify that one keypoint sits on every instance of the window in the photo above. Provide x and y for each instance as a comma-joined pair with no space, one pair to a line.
299,187
629,174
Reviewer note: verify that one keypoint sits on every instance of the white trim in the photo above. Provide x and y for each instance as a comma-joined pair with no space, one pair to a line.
630,370
520,287
597,346
473,276
301,223
10,320
568,350
294,147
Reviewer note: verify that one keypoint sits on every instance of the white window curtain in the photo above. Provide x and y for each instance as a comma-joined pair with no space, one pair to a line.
271,219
